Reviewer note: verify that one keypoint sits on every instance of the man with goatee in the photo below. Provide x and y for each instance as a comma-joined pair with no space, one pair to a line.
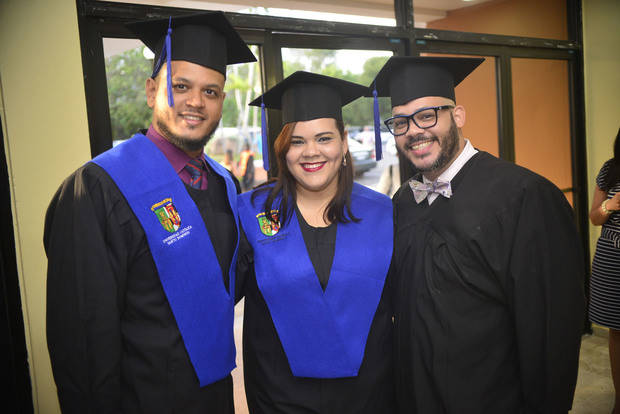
488,264
142,245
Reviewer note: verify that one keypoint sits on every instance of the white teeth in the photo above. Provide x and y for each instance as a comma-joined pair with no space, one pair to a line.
192,118
310,166
421,145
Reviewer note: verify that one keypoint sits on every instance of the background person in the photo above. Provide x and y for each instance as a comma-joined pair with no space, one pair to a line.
488,267
141,245
229,162
604,306
389,182
318,319
246,167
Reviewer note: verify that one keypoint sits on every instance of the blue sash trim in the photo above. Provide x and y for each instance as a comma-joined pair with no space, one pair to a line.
323,333
188,268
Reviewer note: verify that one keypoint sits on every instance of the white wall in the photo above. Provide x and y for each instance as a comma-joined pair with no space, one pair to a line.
46,137
601,38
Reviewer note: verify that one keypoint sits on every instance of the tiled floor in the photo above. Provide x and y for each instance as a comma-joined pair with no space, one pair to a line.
594,393
241,406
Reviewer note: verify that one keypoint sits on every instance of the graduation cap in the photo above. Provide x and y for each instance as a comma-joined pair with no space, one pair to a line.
405,78
206,39
304,96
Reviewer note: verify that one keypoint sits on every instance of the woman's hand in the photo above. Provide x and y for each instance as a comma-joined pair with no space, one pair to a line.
614,203
598,217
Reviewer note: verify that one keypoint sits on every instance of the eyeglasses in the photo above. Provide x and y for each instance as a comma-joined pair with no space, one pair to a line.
423,118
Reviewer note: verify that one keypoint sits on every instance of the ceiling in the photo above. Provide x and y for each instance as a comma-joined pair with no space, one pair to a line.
425,10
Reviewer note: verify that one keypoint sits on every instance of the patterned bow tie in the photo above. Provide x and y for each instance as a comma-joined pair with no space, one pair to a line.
422,190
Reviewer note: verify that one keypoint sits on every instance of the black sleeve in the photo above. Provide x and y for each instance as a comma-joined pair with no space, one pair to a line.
250,167
85,282
243,247
236,181
546,271
245,264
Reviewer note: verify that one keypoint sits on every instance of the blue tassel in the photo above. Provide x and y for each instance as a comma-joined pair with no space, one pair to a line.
265,143
168,64
378,148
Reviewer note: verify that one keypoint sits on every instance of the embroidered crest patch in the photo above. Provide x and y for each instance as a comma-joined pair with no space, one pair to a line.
268,227
167,214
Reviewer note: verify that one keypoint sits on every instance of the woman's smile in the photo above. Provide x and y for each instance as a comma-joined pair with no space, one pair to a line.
312,167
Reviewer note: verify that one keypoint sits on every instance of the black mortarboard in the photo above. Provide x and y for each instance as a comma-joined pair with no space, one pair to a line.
405,78
304,96
207,39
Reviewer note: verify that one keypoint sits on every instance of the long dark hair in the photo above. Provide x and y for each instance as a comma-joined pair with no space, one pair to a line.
339,207
613,174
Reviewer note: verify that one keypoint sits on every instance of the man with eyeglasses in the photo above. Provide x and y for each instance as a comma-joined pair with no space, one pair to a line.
488,267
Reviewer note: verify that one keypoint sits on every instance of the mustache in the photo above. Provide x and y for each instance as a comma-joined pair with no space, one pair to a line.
414,139
188,111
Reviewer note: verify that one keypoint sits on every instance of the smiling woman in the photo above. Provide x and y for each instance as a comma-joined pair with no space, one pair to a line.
312,149
314,162
314,158
317,327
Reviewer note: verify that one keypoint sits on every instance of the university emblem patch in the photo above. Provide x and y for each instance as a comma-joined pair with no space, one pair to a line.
167,214
268,227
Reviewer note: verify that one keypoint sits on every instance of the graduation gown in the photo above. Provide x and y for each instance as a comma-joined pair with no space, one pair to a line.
113,340
489,295
270,385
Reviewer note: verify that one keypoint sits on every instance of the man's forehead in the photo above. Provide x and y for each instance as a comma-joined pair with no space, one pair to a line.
192,71
419,103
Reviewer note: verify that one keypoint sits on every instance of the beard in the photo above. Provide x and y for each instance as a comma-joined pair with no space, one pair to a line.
449,146
186,144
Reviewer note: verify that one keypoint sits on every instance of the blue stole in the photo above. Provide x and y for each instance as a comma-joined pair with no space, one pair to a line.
182,250
323,333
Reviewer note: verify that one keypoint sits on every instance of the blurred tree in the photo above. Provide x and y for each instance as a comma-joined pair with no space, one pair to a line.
229,111
372,66
290,67
126,74
242,86
312,60
358,113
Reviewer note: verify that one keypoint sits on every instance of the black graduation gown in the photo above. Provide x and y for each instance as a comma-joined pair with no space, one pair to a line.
489,295
113,340
270,386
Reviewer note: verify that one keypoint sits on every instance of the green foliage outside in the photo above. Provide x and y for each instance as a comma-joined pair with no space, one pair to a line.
358,113
127,72
242,86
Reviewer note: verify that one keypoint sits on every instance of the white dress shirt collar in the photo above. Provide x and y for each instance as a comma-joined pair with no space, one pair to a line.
450,172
